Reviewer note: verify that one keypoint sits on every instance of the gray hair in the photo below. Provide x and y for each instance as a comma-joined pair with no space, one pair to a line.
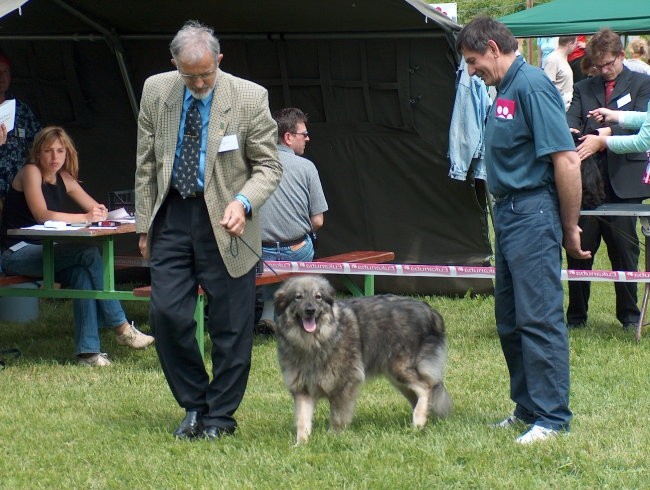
191,42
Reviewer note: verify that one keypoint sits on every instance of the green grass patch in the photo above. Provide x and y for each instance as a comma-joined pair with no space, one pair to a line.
63,426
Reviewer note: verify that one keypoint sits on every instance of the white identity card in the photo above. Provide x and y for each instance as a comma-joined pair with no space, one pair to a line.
626,99
8,113
228,143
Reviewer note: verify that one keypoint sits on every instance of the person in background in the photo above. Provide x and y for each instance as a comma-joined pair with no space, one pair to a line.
206,162
638,50
47,188
533,172
614,87
14,152
295,210
575,58
546,46
558,70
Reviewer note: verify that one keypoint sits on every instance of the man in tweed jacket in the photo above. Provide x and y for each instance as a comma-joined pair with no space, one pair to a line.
203,239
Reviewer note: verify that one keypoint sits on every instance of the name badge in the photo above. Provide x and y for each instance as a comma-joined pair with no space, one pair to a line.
228,143
626,99
21,132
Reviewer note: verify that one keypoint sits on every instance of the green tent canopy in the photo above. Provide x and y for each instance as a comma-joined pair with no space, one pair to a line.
565,17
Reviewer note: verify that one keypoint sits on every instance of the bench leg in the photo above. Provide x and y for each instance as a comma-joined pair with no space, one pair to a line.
353,288
369,285
199,317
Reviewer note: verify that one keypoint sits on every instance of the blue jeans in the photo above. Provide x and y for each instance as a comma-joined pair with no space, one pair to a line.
528,306
303,254
76,267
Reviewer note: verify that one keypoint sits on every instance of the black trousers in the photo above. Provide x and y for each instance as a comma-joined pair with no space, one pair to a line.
619,233
184,254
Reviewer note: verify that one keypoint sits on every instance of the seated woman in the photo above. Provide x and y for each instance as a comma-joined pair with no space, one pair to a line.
46,188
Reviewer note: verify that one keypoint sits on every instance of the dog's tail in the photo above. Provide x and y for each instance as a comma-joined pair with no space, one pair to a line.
440,402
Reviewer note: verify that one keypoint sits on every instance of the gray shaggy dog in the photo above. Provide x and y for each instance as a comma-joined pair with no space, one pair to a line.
327,348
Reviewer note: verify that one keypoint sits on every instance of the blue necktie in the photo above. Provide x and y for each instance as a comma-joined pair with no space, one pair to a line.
188,163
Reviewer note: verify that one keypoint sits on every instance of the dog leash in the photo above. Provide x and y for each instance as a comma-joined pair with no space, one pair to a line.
236,252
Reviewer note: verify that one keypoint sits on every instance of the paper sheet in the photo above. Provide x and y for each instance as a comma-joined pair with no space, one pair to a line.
8,113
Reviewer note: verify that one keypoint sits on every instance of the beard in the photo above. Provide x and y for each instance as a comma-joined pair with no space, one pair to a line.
205,92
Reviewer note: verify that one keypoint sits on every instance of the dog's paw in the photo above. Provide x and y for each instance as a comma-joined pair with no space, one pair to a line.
301,439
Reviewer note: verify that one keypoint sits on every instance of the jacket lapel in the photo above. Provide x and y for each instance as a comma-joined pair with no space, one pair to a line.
220,119
598,89
173,101
621,88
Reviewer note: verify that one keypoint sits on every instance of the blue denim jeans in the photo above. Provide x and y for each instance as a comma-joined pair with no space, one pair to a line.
303,254
76,266
528,306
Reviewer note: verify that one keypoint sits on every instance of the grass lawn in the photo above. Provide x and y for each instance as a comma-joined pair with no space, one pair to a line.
63,426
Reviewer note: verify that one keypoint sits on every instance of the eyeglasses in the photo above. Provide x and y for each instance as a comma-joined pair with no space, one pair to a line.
202,76
304,134
607,65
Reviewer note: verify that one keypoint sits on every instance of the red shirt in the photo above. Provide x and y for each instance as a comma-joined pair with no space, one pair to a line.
578,52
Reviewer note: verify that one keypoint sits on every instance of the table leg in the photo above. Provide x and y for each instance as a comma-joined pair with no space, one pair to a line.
108,263
643,310
645,229
48,263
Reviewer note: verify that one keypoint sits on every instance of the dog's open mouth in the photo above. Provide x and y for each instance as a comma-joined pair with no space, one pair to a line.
309,324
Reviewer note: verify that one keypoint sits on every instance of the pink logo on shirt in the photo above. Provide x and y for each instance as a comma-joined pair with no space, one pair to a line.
505,108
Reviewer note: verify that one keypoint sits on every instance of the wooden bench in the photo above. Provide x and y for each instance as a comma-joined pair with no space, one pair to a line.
11,280
270,277
358,257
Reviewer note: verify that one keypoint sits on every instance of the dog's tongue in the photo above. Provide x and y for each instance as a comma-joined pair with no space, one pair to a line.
309,324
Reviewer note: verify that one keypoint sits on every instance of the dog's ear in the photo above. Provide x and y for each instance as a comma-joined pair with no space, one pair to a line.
280,300
328,292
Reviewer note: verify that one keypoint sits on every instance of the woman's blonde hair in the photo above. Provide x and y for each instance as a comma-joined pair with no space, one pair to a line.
47,136
639,47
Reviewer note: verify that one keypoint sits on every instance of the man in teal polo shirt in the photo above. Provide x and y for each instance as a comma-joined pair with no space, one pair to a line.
533,172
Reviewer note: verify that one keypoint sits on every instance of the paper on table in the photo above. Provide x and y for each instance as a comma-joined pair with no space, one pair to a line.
119,214
8,113
57,225
43,227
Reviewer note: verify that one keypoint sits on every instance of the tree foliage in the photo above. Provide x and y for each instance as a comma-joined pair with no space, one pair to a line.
467,9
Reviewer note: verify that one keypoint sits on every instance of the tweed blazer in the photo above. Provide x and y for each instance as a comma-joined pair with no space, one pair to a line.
631,93
239,108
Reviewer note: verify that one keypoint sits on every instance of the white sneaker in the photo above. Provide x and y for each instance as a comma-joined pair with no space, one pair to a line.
511,421
134,338
536,433
95,360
